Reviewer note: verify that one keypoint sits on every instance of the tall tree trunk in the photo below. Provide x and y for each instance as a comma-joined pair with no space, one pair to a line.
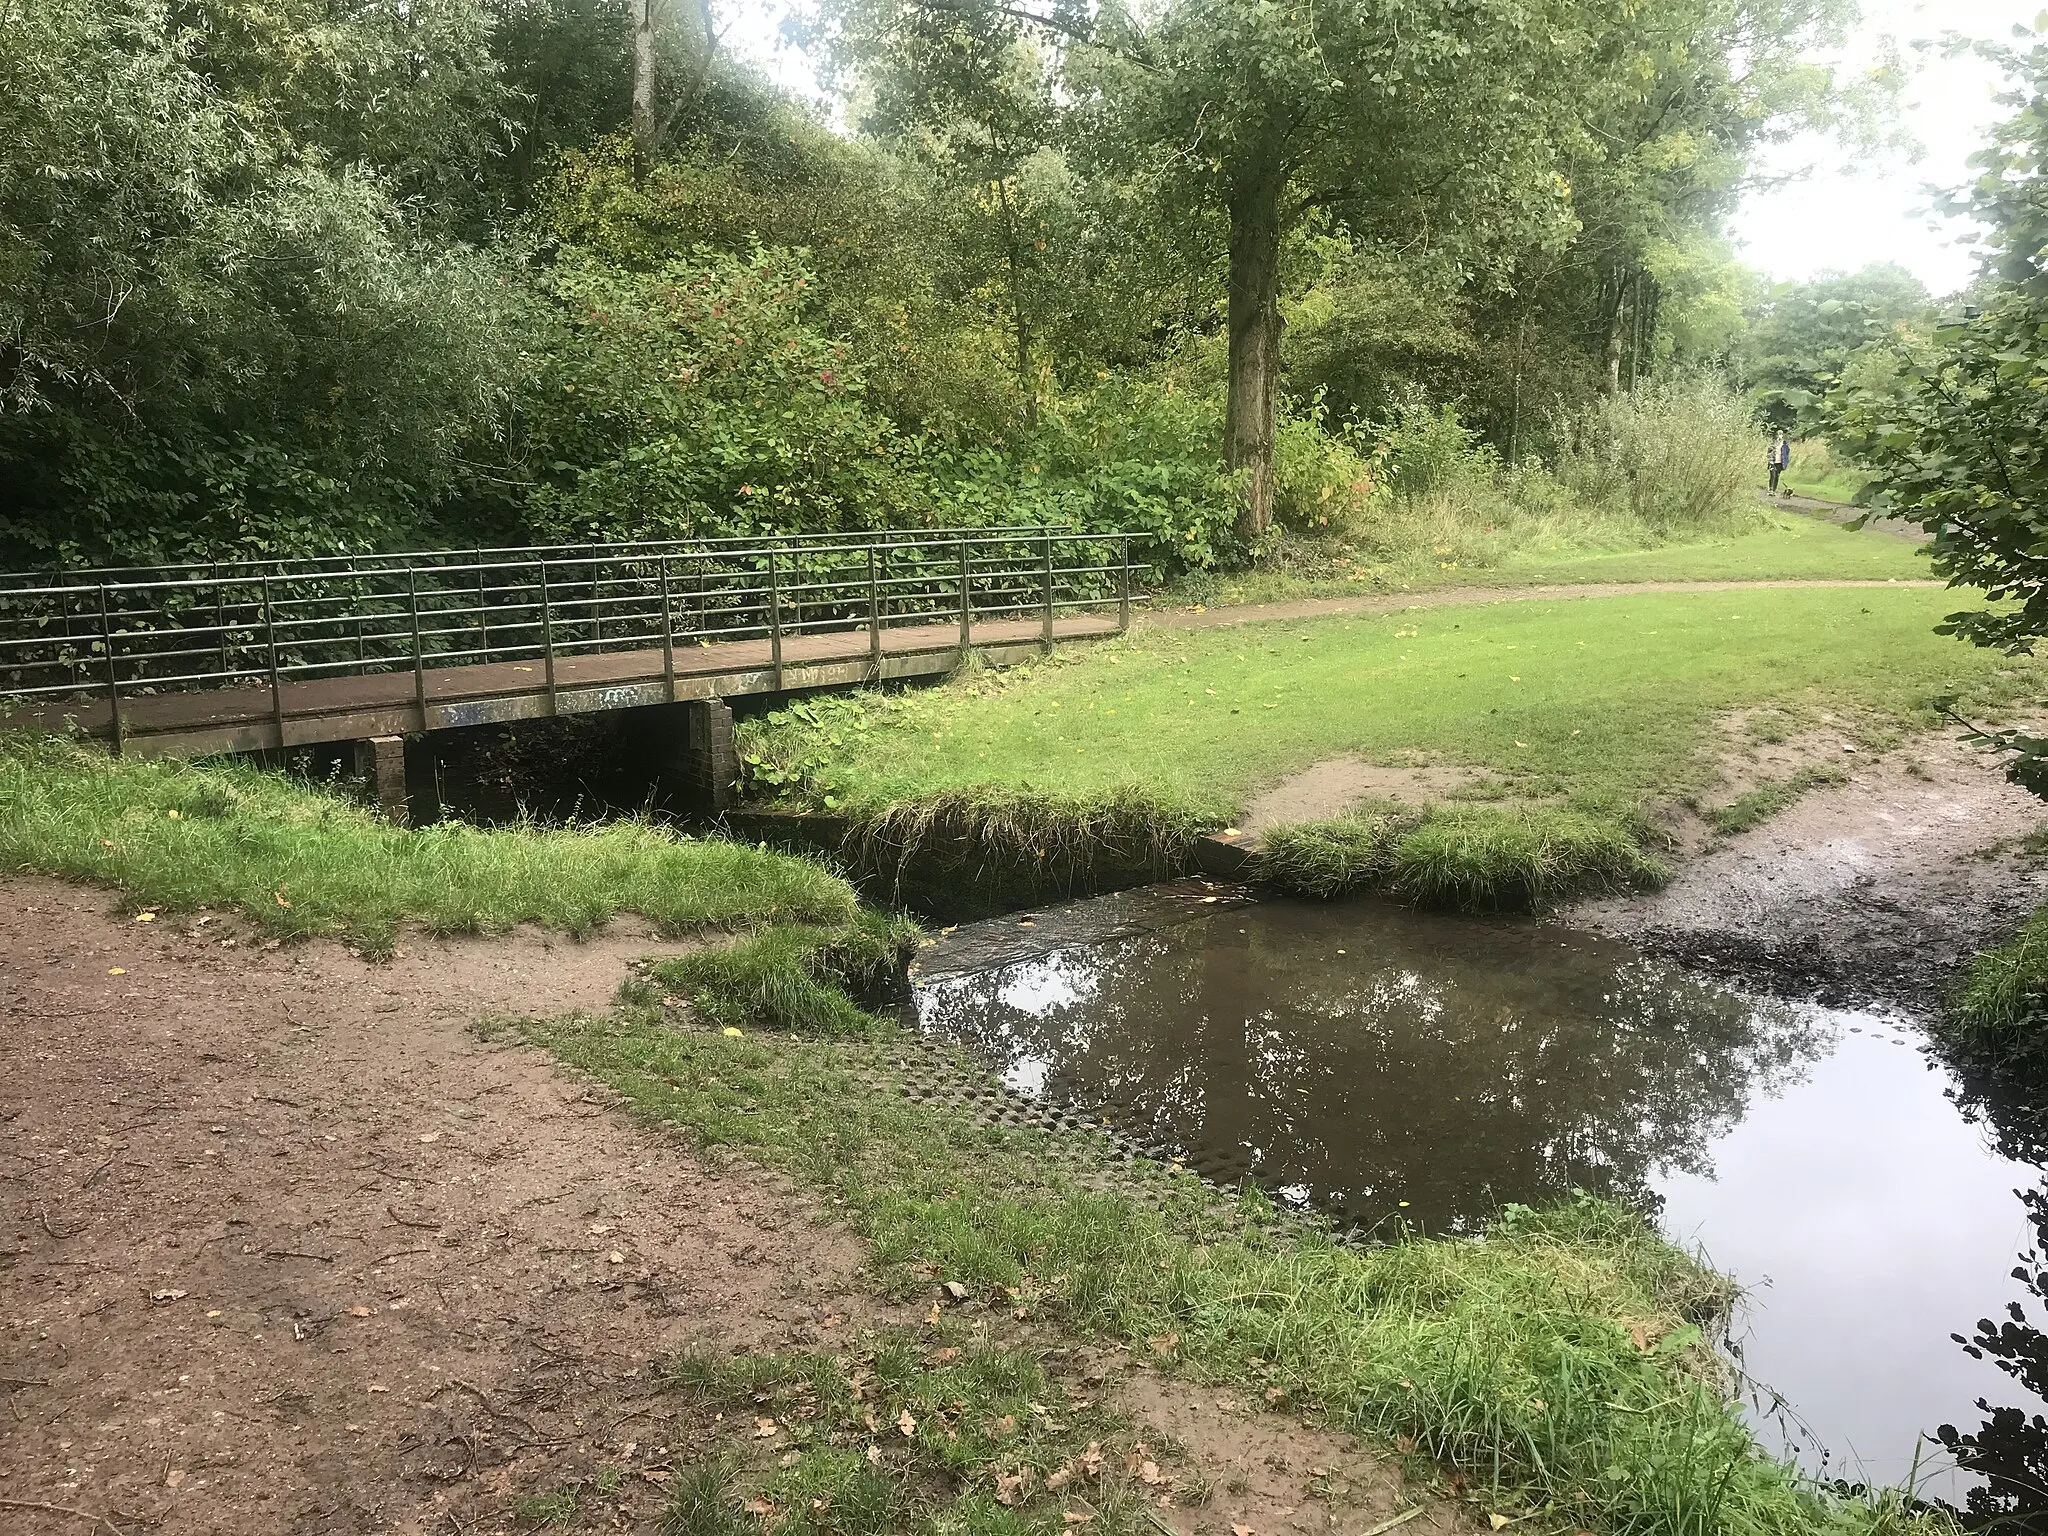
644,130
1617,293
1013,246
1254,345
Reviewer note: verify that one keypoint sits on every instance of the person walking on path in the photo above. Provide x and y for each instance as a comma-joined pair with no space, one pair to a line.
1780,456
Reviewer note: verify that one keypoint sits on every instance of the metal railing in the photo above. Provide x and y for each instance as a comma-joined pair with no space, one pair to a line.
123,633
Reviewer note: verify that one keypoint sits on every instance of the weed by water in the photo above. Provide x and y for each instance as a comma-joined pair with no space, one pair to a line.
797,977
297,860
1475,857
1555,1366
1999,1015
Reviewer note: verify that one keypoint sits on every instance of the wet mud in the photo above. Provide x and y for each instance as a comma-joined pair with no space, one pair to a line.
1870,892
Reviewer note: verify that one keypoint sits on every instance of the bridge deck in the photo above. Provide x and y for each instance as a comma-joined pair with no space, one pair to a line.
301,712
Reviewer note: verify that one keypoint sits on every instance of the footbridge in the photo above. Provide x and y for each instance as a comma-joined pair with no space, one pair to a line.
248,656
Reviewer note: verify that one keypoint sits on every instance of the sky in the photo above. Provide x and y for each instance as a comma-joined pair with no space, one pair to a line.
1846,208
1851,210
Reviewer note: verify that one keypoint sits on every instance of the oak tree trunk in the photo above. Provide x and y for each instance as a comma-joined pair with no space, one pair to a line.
1254,346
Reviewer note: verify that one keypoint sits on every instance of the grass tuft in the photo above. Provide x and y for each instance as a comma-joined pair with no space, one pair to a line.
1480,858
299,861
1999,1014
796,977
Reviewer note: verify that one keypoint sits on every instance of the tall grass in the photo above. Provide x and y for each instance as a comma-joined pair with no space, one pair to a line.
297,860
1999,1014
1680,454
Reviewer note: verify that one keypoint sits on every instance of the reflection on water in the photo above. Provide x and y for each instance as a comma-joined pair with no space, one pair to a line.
1427,1067
1383,1064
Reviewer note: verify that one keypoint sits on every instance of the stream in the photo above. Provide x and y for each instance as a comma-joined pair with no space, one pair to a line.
1389,1066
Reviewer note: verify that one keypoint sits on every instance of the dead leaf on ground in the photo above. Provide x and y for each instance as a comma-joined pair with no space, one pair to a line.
1055,1481
763,1428
1165,1343
1148,1472
1012,1488
759,1507
361,1311
906,1423
1091,1459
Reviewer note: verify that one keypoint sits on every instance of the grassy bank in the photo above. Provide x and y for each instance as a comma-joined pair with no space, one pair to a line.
1552,1368
1593,709
1999,1014
296,860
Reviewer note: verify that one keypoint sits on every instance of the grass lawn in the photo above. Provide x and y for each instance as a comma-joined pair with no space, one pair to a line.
1782,545
1793,547
1603,702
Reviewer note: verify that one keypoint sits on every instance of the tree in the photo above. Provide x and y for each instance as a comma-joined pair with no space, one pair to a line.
1802,335
1436,124
1955,431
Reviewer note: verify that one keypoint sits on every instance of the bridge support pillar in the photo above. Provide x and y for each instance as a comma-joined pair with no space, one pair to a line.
381,760
709,771
688,747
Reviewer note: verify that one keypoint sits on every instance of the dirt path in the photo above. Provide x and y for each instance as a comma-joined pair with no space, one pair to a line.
1454,597
288,1248
1873,890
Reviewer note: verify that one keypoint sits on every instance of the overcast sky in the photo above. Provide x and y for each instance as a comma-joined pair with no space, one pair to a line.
1851,210
1847,213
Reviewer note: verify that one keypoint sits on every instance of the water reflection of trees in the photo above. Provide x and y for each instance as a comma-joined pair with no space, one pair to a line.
2009,1449
1452,1065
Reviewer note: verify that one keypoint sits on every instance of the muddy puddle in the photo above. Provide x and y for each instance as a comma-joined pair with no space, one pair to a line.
1389,1066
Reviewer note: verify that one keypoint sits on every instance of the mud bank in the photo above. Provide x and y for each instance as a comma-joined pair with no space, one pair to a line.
1868,892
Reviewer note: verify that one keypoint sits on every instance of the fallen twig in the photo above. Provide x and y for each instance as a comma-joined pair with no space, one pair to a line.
397,1254
392,1212
103,1167
296,1253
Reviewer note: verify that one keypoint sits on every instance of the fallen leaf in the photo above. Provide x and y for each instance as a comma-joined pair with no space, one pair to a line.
378,1387
1497,1520
145,917
874,1455
361,1311
1010,1489
278,897
764,1428
117,970
758,1507
431,1136
174,1477
731,1033
1006,1423
615,1257
163,1298
944,1356
906,1424
1075,1517
1241,1530
1091,1459
1276,1394
1148,1472
790,1458
1055,1481
1165,1343
956,1290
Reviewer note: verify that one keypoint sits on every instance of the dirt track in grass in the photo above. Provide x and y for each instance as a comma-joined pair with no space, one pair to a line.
287,1246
